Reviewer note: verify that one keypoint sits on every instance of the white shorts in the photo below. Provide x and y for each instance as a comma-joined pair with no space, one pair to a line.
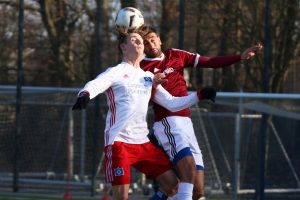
176,133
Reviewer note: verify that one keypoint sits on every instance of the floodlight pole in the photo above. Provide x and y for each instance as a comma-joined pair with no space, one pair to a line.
18,97
181,24
268,47
260,186
96,104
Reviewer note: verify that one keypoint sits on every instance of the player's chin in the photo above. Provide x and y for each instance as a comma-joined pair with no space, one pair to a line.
140,50
153,54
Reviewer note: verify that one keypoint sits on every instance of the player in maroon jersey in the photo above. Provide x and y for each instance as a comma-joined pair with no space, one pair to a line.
174,130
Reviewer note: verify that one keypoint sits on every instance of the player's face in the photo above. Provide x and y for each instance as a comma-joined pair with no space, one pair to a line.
135,44
152,45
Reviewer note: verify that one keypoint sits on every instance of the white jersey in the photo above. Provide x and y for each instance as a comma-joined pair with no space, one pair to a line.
128,90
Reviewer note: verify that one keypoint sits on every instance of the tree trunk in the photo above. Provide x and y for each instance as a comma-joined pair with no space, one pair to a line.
169,23
128,3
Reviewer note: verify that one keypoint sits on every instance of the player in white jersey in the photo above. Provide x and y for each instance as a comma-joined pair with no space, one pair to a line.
128,89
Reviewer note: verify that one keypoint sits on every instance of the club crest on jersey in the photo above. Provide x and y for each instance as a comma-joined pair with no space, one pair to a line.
156,70
168,70
119,171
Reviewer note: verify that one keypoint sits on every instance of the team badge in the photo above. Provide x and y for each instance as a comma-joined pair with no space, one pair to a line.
168,70
119,171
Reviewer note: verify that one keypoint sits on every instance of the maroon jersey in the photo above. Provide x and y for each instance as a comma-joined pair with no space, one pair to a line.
172,63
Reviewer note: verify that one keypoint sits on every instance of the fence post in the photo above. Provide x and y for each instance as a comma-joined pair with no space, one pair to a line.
82,144
237,139
236,167
70,154
70,146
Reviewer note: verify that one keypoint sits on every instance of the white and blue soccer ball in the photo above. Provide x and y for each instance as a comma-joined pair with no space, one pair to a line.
128,18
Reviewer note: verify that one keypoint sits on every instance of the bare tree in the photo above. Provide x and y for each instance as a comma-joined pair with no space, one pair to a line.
59,18
228,27
286,41
211,28
8,35
128,3
169,23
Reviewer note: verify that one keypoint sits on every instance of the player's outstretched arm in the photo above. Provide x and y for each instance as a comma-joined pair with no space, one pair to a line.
251,51
174,104
224,61
82,101
165,99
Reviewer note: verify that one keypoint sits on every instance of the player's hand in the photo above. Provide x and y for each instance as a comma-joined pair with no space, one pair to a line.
82,101
250,52
159,78
208,93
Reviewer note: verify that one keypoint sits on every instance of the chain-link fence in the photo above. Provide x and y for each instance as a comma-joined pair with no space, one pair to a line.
60,151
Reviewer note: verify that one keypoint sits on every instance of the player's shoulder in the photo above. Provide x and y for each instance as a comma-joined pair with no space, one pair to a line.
179,51
117,69
177,54
149,74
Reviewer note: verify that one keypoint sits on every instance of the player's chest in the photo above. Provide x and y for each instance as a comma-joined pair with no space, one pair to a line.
133,85
166,66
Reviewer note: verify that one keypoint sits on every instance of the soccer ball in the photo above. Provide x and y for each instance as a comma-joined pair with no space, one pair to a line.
128,18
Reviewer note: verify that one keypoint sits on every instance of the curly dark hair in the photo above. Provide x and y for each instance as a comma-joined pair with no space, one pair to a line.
145,30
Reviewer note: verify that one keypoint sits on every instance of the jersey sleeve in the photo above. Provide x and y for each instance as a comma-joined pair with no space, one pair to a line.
174,104
100,84
188,59
217,61
195,60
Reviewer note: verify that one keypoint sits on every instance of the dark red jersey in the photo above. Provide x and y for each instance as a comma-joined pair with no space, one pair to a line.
172,63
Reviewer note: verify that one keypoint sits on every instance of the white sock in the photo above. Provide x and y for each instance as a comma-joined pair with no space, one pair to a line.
185,191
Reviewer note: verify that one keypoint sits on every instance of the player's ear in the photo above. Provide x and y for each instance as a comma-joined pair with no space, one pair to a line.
160,43
122,46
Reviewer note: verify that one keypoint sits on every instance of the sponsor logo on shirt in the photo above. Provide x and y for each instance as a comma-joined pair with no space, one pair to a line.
119,171
168,70
125,76
148,79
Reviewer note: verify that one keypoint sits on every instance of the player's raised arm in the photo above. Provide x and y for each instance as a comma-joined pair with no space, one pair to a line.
224,61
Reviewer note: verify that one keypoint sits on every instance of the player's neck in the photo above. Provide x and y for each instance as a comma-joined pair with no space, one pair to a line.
134,60
159,55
